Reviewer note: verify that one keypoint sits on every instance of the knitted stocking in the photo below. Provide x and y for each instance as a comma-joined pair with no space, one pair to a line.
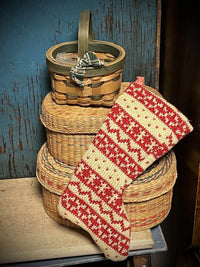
139,129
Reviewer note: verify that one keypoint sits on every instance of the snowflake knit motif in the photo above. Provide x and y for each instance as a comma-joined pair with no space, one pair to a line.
140,128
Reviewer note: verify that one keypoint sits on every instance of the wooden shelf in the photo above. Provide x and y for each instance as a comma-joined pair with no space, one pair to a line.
27,233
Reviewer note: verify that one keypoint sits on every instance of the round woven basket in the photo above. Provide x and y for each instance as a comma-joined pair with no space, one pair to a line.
101,86
147,200
70,129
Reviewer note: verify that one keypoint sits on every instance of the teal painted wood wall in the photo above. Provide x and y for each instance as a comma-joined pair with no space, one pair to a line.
27,29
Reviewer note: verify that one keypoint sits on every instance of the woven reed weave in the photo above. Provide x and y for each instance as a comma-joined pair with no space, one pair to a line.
72,119
147,200
68,148
98,91
70,129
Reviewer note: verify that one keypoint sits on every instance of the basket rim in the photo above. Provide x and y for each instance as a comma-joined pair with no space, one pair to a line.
108,67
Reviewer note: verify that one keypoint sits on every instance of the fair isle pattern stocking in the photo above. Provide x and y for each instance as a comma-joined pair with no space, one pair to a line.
140,128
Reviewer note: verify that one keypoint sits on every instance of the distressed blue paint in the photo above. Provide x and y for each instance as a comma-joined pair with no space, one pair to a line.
28,29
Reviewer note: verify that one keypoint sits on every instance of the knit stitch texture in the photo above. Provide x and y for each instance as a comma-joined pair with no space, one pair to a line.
140,128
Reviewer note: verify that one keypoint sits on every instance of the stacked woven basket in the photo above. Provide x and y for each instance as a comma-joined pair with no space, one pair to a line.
71,128
101,85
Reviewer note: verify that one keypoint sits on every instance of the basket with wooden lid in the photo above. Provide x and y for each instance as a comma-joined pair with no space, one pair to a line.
147,200
99,83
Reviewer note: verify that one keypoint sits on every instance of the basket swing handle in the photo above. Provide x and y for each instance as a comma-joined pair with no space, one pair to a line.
85,58
85,32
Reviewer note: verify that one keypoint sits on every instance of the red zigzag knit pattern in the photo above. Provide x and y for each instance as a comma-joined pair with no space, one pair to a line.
140,128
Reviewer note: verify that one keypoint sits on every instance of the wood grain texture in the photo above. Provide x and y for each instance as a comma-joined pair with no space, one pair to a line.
28,29
180,83
143,260
196,228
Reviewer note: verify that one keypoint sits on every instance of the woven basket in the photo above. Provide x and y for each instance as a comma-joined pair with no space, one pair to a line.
147,200
101,86
70,129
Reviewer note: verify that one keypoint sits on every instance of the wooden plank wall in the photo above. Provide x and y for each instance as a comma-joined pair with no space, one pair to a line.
179,84
28,29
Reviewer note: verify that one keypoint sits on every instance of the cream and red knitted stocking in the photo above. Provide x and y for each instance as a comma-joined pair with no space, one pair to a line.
139,129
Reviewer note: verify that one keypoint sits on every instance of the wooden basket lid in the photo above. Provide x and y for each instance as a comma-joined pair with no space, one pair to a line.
71,119
157,180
